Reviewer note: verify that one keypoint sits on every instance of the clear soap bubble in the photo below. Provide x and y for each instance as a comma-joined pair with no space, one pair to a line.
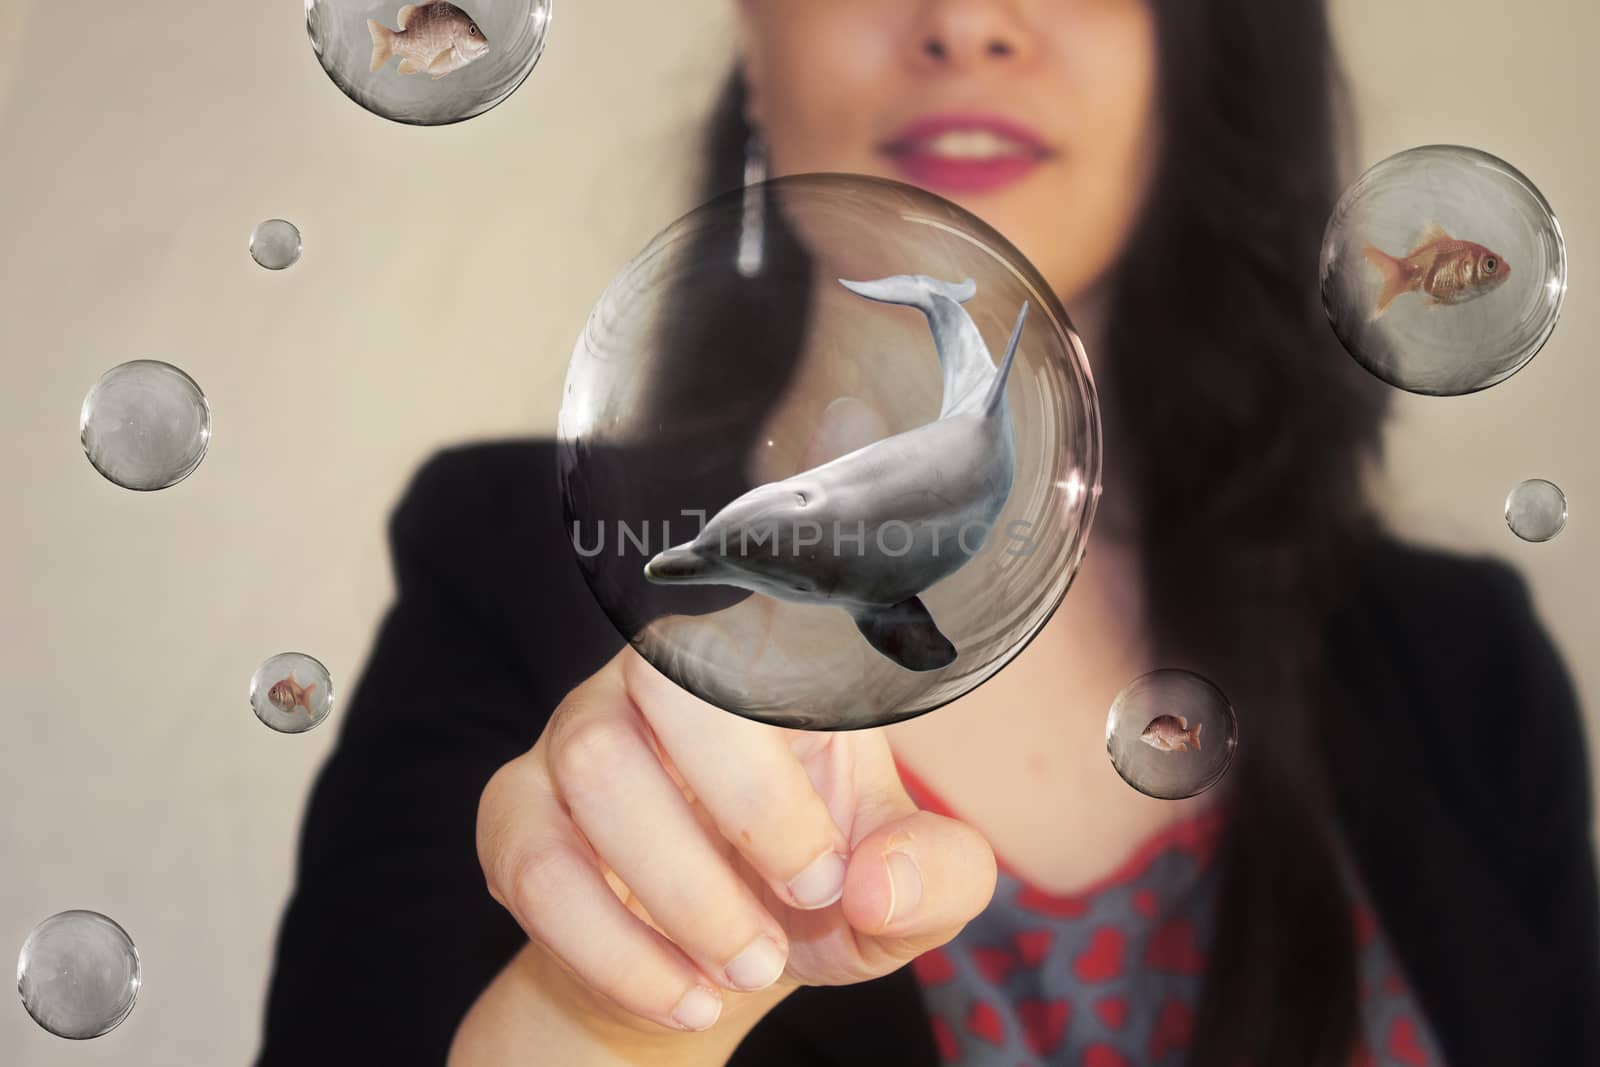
291,692
1536,510
825,550
275,244
145,425
1443,270
1171,734
432,63
78,974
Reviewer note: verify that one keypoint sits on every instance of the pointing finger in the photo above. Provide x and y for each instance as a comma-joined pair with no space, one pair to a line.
747,777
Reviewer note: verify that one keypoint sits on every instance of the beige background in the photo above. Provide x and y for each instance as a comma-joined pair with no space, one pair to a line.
446,274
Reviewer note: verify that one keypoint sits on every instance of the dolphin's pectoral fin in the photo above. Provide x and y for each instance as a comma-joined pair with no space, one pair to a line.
907,634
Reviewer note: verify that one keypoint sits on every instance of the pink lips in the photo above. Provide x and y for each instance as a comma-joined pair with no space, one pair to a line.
928,152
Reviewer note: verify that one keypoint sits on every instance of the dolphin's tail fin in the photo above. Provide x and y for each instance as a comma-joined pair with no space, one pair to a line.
913,290
966,363
995,401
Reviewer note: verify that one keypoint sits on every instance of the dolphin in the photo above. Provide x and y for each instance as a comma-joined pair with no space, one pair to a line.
869,531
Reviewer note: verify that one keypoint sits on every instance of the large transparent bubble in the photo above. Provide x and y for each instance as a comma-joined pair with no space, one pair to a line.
428,64
78,974
789,408
1443,270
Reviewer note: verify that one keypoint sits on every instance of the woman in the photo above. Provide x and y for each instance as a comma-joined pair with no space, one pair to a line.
1397,869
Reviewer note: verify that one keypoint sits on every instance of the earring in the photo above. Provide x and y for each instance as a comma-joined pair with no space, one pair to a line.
753,220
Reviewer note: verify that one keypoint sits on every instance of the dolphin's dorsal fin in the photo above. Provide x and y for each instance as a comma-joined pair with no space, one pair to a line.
994,403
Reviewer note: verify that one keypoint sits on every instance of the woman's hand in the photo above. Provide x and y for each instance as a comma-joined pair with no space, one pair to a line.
673,857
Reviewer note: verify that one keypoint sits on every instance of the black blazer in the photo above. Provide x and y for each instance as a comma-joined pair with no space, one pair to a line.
1466,801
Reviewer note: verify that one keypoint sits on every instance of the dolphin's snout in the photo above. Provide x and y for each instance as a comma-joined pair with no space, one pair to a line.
676,564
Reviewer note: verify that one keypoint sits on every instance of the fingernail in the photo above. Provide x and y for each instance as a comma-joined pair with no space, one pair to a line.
698,1010
757,967
905,885
821,883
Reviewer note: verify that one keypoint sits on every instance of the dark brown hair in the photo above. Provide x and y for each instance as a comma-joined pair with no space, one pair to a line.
1236,432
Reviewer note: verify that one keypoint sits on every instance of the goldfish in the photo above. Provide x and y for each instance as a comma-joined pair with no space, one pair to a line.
288,694
437,37
1448,270
1171,733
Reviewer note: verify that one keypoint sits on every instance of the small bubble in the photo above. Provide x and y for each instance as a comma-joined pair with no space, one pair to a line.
275,244
145,425
1536,510
78,974
291,692
1171,734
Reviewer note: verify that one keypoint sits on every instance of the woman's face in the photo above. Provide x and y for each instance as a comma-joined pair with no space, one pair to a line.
1036,115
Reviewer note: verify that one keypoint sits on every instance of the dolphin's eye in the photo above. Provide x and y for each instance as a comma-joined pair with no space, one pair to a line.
801,498
1491,265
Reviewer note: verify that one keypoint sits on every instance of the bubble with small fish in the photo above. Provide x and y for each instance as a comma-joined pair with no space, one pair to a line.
428,64
1171,734
275,244
291,692
1443,270
1536,510
830,451
78,974
145,425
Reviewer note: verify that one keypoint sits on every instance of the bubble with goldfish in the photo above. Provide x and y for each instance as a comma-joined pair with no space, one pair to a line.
428,64
1171,734
291,692
1443,270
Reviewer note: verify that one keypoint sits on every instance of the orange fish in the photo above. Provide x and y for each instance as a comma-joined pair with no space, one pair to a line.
436,37
1448,270
290,694
1171,733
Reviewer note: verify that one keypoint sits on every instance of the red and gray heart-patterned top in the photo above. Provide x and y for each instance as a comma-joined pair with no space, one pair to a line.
1109,976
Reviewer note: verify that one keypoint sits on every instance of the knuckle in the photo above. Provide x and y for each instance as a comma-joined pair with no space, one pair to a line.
514,838
537,877
586,748
502,805
491,802
494,813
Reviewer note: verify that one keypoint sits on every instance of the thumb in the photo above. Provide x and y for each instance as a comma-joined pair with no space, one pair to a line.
914,882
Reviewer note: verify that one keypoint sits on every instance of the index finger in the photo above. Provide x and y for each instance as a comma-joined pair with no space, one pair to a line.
749,780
